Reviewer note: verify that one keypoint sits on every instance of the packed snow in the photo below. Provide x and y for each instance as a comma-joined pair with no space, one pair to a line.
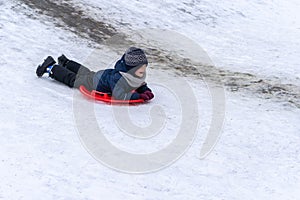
256,157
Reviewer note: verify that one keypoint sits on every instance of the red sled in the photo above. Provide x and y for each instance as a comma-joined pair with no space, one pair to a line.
107,98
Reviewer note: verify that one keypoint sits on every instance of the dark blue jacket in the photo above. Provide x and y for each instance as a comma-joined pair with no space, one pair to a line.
111,81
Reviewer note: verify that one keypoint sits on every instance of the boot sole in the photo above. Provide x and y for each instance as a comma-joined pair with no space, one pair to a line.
42,68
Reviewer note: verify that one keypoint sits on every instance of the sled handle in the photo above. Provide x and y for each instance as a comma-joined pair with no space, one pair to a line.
102,94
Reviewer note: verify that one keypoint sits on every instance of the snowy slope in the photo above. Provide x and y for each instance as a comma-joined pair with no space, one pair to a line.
42,157
257,37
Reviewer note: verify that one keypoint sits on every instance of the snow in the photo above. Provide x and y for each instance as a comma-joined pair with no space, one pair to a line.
257,156
256,37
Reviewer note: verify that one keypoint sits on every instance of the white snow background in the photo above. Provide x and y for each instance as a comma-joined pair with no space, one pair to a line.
257,156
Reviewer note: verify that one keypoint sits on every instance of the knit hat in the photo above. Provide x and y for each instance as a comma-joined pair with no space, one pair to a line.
135,57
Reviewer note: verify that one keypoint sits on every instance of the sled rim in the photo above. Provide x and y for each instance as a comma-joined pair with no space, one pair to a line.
104,97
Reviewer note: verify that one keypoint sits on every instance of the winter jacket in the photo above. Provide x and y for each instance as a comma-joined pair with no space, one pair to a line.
111,81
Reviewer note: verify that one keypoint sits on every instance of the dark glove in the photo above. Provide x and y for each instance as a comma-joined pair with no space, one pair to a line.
144,96
149,94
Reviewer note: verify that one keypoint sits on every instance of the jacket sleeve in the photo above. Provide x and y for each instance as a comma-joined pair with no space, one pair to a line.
143,88
119,92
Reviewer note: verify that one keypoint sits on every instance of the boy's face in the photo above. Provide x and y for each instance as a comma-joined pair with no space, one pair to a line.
141,71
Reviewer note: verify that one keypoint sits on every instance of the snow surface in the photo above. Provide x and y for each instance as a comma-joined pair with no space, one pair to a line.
42,157
258,37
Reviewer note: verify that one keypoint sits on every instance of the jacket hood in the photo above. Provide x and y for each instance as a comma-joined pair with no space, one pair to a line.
120,65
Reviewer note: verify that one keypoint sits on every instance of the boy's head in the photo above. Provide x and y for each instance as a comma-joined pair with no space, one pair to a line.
136,61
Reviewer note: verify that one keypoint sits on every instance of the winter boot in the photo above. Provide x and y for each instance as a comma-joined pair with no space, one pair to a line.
41,69
69,64
62,60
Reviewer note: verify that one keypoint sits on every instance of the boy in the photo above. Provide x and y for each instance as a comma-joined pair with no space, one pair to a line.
125,82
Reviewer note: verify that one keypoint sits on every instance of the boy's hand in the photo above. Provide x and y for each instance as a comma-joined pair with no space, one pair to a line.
144,96
149,94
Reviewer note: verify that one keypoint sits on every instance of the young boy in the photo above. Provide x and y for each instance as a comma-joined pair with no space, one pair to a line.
128,75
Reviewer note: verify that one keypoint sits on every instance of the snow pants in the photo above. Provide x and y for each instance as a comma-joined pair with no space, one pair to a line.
74,74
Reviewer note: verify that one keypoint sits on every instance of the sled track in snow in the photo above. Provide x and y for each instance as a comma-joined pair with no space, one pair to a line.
65,15
71,18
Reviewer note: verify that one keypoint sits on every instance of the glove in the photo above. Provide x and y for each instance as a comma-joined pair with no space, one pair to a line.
149,94
144,96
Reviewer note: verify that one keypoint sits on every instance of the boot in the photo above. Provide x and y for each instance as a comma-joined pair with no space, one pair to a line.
62,60
41,69
69,64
